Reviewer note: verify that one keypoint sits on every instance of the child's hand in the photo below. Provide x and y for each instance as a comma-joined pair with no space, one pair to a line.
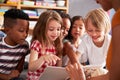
14,73
50,58
75,72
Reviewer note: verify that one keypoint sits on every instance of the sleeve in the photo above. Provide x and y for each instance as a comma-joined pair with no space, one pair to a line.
28,49
25,46
20,64
35,46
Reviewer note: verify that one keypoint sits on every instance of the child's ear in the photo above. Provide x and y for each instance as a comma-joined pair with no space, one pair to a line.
6,29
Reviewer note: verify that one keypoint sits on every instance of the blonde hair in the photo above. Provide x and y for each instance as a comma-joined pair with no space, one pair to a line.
99,19
41,27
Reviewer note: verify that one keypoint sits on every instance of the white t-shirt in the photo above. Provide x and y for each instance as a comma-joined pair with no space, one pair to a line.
95,55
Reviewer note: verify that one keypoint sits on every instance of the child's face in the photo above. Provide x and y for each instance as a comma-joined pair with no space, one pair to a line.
18,33
78,29
53,31
66,26
95,33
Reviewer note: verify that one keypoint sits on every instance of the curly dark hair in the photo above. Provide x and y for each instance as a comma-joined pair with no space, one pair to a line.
64,15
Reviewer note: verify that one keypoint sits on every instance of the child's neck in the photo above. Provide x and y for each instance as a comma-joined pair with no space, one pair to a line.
76,42
9,42
50,44
99,44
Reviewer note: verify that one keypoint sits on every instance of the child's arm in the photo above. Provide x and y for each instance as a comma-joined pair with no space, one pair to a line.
101,77
4,77
14,73
35,62
75,72
20,64
78,55
59,62
70,53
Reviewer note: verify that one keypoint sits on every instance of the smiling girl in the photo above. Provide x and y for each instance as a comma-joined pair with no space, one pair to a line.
45,44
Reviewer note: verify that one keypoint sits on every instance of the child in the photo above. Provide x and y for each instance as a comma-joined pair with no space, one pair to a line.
75,33
114,64
66,23
45,44
13,47
65,29
95,44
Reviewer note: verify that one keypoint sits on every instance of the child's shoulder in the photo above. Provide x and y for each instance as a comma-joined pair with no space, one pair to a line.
25,43
108,37
85,37
36,43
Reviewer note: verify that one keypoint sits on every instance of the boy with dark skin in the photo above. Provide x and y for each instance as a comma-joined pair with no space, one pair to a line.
13,47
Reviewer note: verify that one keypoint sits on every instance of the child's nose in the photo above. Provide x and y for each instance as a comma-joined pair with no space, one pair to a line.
25,34
94,33
55,32
78,29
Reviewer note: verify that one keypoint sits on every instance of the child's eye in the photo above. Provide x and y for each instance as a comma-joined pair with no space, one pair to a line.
67,30
63,28
90,30
80,27
74,26
21,30
58,29
98,30
51,29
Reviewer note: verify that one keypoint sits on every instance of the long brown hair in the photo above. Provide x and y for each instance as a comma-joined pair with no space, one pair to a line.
40,30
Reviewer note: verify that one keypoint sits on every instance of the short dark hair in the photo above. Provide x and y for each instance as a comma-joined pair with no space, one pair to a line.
16,14
64,15
11,16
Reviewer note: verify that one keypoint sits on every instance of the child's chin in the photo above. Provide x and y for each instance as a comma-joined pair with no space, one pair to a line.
22,42
53,39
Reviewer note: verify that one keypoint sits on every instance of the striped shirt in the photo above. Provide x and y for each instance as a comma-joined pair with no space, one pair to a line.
11,55
36,45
